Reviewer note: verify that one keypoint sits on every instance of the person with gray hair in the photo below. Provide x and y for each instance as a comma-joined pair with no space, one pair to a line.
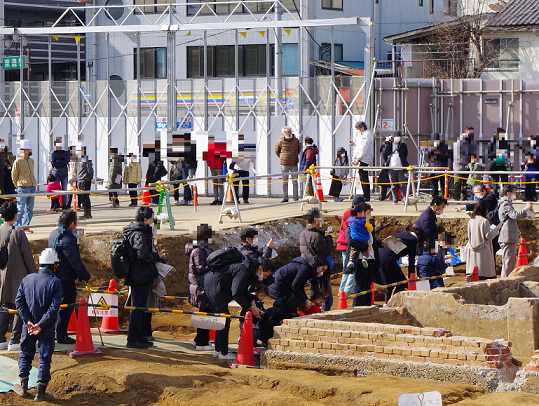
288,149
363,155
509,233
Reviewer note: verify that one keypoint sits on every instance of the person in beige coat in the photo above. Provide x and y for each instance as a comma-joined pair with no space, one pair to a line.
20,263
288,149
479,251
132,177
23,178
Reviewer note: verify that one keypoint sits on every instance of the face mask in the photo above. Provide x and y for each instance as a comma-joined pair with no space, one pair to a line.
255,242
368,216
513,197
439,212
2,146
477,197
343,155
396,140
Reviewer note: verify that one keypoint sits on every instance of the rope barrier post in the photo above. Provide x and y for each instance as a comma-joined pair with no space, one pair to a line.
408,186
171,221
311,178
230,187
446,186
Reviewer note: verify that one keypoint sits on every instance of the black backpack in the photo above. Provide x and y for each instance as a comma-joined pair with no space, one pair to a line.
119,258
493,215
223,257
4,252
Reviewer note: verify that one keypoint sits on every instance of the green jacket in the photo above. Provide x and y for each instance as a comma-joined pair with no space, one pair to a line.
476,173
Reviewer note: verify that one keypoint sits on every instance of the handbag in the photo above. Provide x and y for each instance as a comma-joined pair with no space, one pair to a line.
4,253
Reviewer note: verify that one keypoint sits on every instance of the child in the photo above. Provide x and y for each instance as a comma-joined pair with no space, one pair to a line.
429,265
260,292
53,184
530,195
476,171
318,300
268,269
360,230
274,316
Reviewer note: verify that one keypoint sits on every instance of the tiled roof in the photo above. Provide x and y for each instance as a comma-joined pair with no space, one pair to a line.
517,13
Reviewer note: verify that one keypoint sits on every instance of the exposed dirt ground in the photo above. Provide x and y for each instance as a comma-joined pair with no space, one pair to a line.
150,377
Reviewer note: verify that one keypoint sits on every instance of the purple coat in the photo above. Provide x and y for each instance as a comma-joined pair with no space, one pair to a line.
197,268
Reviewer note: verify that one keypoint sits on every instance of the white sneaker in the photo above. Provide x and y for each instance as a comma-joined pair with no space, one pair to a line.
216,354
227,357
208,347
4,345
13,347
193,344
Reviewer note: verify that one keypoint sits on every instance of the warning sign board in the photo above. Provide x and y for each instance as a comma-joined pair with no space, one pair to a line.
102,299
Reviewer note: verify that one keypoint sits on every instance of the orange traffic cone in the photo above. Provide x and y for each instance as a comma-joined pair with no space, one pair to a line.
475,275
212,336
110,324
195,202
411,285
342,300
245,354
229,196
146,197
319,187
84,347
522,254
72,326
372,298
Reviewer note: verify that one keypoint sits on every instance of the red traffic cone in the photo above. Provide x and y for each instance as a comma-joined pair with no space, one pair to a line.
84,347
245,354
195,203
110,324
342,300
372,298
212,336
475,275
522,254
72,326
319,187
411,285
146,197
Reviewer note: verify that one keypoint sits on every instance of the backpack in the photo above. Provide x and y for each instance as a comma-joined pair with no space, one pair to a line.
224,257
493,216
4,252
119,258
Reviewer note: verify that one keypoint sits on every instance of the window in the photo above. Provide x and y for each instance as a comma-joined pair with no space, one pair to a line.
325,52
153,63
232,7
420,3
431,7
332,4
450,7
13,22
502,52
152,8
252,60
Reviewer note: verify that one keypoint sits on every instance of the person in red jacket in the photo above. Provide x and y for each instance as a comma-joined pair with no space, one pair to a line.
215,157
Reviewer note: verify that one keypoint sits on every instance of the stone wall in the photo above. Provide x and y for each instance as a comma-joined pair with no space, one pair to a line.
365,348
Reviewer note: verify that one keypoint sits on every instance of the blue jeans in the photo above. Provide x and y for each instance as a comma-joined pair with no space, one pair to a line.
25,206
63,182
188,173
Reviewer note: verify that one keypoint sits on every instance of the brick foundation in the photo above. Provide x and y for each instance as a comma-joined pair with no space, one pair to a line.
316,338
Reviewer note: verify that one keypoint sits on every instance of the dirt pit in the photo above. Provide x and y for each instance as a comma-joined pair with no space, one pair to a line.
152,377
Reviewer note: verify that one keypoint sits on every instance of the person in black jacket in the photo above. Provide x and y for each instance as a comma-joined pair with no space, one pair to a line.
71,268
426,222
85,178
391,270
189,168
290,280
143,271
249,245
438,157
227,280
395,155
59,162
156,170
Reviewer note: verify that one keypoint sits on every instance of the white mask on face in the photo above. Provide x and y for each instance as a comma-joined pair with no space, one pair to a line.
343,155
396,140
2,145
255,241
513,197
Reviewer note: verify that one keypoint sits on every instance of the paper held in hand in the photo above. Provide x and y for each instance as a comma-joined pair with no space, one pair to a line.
163,269
394,244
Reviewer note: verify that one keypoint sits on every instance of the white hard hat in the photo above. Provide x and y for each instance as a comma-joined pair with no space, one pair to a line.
26,144
48,257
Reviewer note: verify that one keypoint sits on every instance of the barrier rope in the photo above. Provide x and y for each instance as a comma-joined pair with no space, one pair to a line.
392,285
90,290
145,309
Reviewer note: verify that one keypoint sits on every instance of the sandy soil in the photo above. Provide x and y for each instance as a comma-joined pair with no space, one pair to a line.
125,377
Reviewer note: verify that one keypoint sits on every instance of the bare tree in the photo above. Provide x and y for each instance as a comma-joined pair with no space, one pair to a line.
456,47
